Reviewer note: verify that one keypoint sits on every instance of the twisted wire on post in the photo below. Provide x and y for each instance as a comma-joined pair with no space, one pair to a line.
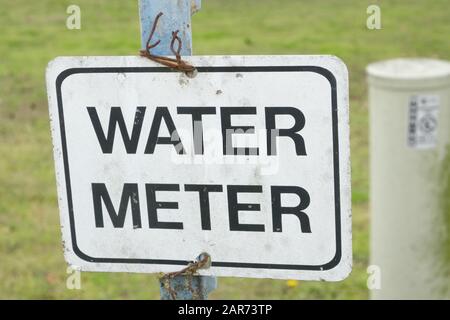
177,63
202,262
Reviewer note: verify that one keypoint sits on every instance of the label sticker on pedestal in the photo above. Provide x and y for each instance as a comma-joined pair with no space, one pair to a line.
423,121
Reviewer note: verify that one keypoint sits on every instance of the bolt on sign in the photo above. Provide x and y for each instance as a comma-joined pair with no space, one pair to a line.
247,160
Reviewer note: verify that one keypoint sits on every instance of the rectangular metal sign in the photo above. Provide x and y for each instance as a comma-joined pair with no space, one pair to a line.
247,160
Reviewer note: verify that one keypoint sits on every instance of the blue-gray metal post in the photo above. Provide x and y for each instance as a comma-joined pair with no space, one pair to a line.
176,16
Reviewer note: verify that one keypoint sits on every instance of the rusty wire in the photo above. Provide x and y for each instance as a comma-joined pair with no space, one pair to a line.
192,267
202,262
177,63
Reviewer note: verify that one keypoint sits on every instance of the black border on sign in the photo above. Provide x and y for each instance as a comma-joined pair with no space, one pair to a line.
322,71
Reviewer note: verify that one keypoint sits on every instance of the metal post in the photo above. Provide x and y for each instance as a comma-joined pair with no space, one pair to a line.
176,16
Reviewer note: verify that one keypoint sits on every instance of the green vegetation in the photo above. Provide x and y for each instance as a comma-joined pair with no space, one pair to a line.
34,32
445,198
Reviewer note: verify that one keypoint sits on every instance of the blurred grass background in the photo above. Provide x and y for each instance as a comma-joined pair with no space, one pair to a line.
34,32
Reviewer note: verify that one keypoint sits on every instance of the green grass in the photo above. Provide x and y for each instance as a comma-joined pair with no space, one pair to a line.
33,32
445,204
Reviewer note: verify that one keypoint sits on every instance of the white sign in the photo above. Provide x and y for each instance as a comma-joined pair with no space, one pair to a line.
247,161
